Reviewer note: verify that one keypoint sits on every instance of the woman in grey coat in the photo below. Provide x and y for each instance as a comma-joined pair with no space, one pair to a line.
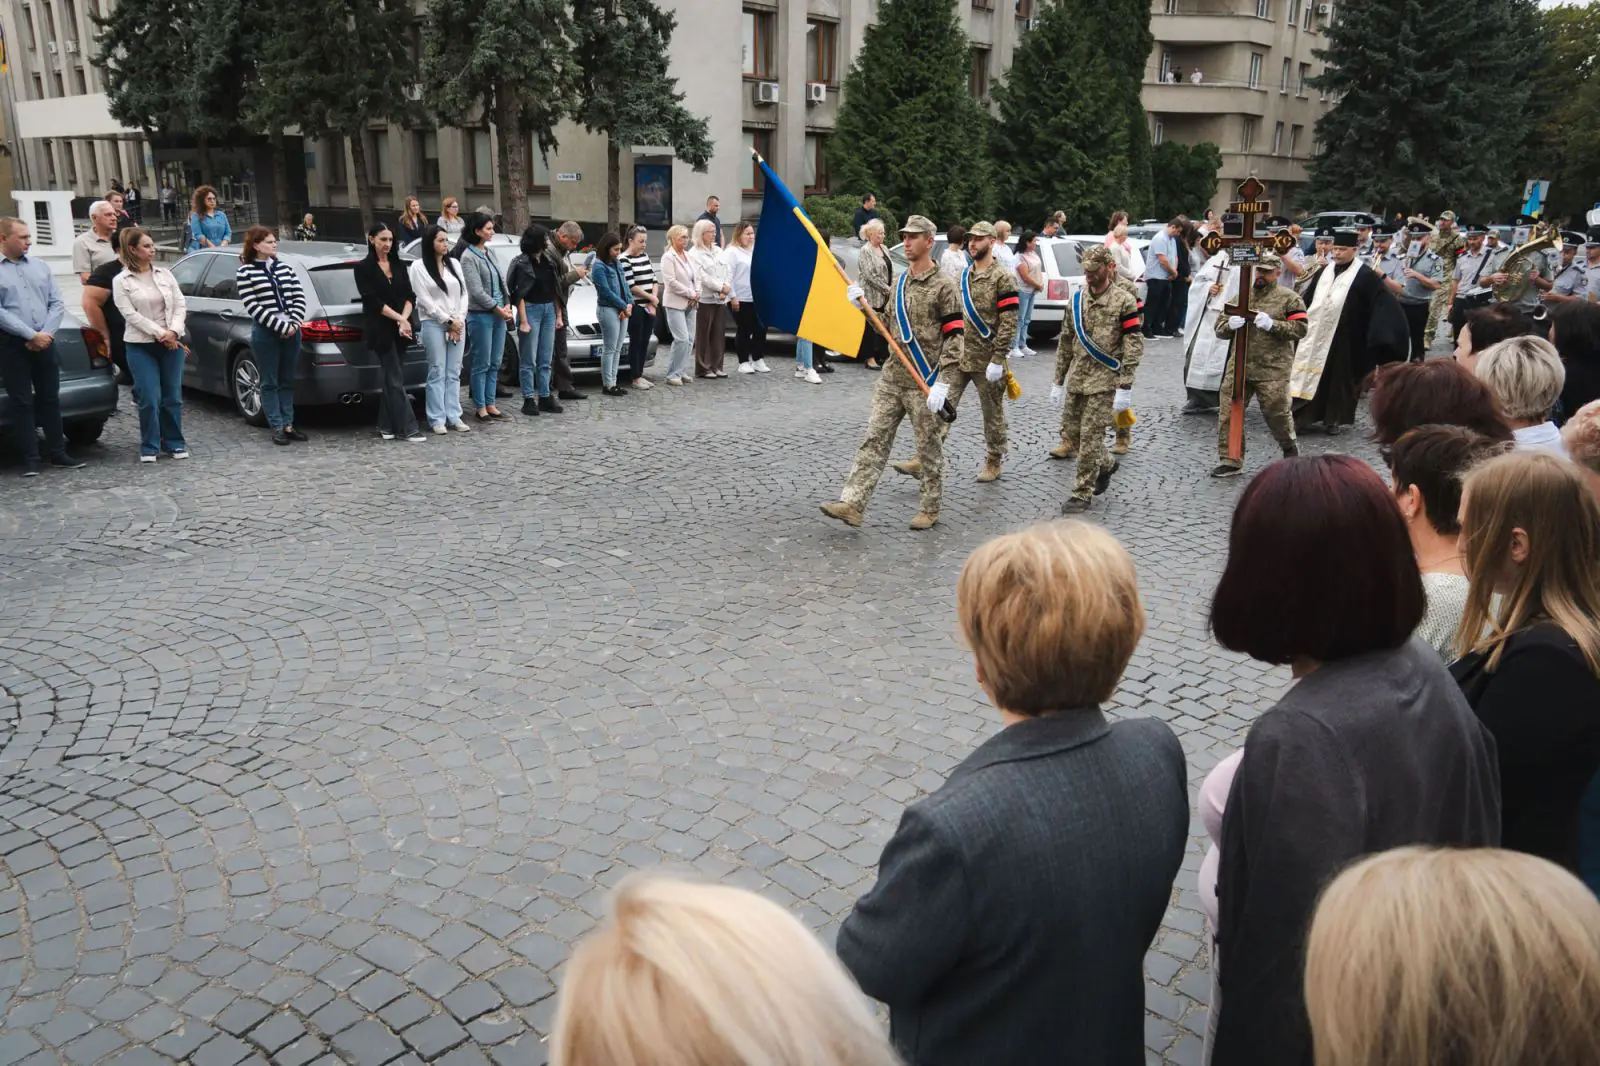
488,311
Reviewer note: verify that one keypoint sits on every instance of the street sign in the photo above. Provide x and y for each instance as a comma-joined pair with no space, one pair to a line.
569,176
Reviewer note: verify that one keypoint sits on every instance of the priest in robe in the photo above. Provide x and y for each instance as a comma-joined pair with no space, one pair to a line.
1355,326
1205,355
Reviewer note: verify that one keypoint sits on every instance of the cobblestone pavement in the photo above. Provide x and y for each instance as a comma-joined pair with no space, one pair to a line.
328,753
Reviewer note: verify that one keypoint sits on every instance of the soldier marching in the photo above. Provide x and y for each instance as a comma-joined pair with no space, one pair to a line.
1278,321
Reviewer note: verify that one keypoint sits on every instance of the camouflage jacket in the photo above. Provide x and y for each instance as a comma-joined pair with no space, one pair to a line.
1271,354
994,298
1447,248
1131,289
1111,319
934,307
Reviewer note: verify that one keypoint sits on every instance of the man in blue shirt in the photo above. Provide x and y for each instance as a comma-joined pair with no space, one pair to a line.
1160,271
30,314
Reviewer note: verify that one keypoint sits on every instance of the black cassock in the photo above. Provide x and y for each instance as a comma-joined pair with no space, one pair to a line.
1372,331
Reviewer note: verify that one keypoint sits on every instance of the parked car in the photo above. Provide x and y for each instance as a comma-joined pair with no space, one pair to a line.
88,384
335,365
1336,219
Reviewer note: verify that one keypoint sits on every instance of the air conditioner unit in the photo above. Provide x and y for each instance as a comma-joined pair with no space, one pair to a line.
50,46
72,46
765,92
1324,10
414,92
816,92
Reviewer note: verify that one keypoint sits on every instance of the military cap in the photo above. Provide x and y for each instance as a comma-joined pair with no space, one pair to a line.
920,224
1365,222
1270,261
1327,233
1345,238
981,229
1273,222
1473,229
1447,216
1594,235
1382,231
1096,255
1571,238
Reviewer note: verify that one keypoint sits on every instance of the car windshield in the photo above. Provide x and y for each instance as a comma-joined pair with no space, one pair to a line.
336,284
1066,256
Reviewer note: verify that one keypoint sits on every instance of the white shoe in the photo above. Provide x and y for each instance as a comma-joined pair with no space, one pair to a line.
181,453
813,377
1028,351
147,458
385,434
461,427
675,382
641,382
762,367
799,371
747,368
439,429
417,438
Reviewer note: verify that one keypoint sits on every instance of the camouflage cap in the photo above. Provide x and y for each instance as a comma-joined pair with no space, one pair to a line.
920,224
1095,256
981,229
1447,216
1270,261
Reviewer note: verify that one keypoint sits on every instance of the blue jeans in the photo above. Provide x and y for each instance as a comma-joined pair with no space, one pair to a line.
610,344
443,394
535,349
158,381
486,332
802,353
278,359
680,320
1024,315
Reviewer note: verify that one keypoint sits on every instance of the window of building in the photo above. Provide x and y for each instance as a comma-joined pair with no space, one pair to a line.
378,165
93,163
1166,66
978,78
60,83
1294,135
822,52
27,17
70,158
816,163
1277,138
50,161
983,5
1158,133
480,159
336,175
534,166
1255,70
38,86
1283,82
760,42
1247,134
1263,9
1024,9
1300,83
1172,7
1311,9
1322,94
749,174
1294,13
427,146
80,80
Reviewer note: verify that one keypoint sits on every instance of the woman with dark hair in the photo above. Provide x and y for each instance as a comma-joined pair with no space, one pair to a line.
272,296
1440,392
1372,748
1485,327
208,226
488,311
441,294
1030,283
386,299
613,304
1575,331
534,285
640,272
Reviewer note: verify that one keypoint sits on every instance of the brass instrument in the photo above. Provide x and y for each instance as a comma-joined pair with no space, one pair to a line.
1543,238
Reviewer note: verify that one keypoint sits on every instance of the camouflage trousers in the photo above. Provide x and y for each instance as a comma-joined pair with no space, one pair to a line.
891,404
1438,308
1272,396
1084,422
992,397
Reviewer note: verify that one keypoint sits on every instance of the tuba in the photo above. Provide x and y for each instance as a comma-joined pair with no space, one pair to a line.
1515,287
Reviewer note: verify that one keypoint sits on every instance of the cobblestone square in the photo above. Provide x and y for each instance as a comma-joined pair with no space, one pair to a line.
328,753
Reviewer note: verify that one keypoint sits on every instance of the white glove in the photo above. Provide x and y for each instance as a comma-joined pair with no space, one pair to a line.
994,372
937,396
856,293
1058,396
1122,400
1263,321
1236,322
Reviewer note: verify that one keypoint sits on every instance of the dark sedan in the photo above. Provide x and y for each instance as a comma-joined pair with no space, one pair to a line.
88,384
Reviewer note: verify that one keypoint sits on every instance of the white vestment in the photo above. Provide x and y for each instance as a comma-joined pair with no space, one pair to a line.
1208,353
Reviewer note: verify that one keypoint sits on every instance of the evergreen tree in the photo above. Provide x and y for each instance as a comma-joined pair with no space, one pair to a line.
908,128
1430,106
1073,133
507,60
1565,148
641,106
1185,178
332,68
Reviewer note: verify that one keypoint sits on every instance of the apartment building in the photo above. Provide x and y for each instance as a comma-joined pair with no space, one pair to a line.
1251,98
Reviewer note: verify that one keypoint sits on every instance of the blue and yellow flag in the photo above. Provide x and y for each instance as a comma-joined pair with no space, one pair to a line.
794,278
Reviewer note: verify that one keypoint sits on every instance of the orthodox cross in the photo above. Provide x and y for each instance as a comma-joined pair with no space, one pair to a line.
1244,251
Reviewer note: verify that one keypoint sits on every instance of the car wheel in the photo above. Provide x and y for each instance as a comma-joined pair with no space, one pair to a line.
244,385
84,432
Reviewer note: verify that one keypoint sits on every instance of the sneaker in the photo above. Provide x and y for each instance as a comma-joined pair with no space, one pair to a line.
1015,353
530,405
181,453
1028,351
67,462
813,377
461,427
417,438
440,429
825,368
675,382
1226,470
747,368
571,394
295,434
549,406
279,437
762,367
385,434
147,458
642,383
799,371
32,469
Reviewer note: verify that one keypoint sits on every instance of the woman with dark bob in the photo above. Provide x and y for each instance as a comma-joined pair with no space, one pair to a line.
1486,327
1374,747
1575,331
1436,393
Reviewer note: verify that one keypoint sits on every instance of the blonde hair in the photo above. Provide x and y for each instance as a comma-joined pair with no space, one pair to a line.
1581,435
869,225
1525,374
704,225
1546,498
1052,615
674,232
1002,230
1423,957
693,974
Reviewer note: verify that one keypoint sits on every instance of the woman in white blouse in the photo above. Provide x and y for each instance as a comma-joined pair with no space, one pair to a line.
716,287
1130,264
441,294
153,307
750,336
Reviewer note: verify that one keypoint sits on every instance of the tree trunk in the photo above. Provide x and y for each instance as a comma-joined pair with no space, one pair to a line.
513,177
280,180
208,174
613,184
358,165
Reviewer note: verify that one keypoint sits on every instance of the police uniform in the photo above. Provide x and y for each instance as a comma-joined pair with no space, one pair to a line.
1416,298
1267,365
1110,322
1572,280
925,314
989,303
1533,266
1447,246
1591,252
1388,260
1466,280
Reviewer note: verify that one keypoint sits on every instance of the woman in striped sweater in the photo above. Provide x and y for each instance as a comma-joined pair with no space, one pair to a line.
273,298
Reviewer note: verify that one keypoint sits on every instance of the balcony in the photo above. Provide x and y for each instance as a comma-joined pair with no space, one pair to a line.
1207,98
1194,23
1269,168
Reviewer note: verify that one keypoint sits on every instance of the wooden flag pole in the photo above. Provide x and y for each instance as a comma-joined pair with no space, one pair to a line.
948,411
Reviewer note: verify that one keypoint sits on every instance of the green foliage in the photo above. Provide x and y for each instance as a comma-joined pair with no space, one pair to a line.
836,215
1431,105
1185,178
1565,147
908,129
1072,132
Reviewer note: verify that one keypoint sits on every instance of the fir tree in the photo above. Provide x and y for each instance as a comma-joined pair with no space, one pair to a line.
908,128
1185,178
1565,147
1430,106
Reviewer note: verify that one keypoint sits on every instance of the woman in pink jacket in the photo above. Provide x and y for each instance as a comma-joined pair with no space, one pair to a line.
680,295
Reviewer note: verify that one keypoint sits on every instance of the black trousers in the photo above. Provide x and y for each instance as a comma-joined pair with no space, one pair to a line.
1417,322
641,324
750,333
560,368
1177,305
394,406
33,381
1157,305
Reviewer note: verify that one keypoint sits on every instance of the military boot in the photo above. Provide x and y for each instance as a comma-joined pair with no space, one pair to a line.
924,520
910,467
1291,450
1063,451
850,516
1123,443
990,471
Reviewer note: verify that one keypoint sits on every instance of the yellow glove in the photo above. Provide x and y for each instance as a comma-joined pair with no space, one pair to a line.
1013,387
1125,419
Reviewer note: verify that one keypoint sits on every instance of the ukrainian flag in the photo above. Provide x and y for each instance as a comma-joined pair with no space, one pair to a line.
794,277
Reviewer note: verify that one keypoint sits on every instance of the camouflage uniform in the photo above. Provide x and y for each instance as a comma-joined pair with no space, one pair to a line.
1266,377
1069,433
935,310
1111,319
1446,248
994,297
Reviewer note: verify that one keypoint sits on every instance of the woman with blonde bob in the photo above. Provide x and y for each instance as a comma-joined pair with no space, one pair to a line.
1526,376
686,974
1530,665
1483,957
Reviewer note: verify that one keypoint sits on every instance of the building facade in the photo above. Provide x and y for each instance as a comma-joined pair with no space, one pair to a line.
766,74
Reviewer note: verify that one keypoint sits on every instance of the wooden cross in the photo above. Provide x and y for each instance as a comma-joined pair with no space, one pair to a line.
1244,251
